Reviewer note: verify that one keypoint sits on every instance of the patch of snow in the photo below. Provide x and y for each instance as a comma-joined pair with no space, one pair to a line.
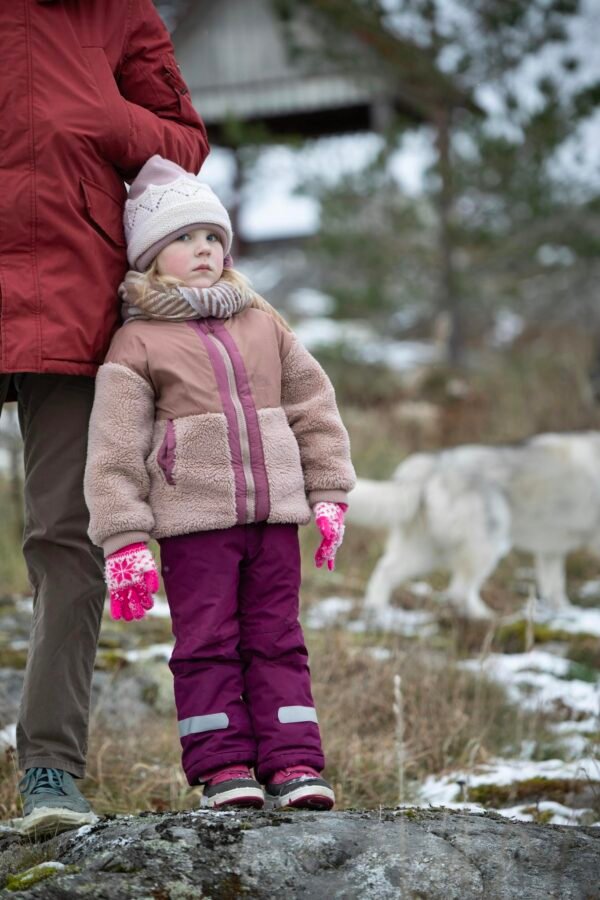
574,746
154,651
8,736
533,680
379,654
561,815
583,726
508,325
328,612
409,622
160,608
337,610
446,789
576,738
534,661
574,620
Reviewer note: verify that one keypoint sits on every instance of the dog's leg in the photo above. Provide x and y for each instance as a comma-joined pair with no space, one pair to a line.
463,593
551,582
471,566
472,523
402,559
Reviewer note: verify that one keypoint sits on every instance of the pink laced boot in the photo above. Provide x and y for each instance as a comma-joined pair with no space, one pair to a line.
299,787
232,786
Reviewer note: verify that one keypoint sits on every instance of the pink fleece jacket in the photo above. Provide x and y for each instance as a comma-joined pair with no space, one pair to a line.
208,424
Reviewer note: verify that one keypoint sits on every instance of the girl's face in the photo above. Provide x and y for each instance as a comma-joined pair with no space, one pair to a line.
196,258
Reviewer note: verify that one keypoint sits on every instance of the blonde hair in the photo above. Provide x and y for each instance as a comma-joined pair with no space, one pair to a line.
231,276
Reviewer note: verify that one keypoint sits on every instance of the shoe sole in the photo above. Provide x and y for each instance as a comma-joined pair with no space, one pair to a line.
245,797
47,820
304,797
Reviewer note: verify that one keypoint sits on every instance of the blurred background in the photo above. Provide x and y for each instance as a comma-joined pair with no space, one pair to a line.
415,184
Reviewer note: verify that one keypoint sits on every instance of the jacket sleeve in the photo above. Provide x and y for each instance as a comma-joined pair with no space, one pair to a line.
116,482
308,399
162,118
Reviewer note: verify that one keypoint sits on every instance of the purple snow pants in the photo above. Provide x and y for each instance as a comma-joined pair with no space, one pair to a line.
242,682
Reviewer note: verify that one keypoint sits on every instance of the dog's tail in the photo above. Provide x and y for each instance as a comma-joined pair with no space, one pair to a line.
386,504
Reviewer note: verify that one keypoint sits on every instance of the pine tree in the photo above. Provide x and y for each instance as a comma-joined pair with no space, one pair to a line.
498,222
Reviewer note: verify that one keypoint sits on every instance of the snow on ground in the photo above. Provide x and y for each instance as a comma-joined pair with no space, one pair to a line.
536,680
449,790
575,620
8,736
336,611
153,651
160,608
539,679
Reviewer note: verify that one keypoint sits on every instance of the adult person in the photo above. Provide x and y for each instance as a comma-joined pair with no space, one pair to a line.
89,91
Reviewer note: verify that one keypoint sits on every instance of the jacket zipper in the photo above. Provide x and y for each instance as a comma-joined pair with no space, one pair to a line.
175,79
242,425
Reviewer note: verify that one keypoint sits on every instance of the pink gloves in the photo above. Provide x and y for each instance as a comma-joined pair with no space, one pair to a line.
132,578
329,519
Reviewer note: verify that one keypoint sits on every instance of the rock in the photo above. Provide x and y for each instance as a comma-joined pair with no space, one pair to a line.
126,697
410,853
11,686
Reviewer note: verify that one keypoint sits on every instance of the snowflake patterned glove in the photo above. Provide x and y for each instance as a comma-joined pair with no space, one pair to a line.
132,578
329,519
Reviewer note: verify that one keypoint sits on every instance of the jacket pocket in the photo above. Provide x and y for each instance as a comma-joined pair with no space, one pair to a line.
166,454
114,128
104,210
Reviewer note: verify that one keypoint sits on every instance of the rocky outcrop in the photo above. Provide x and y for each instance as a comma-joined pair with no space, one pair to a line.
409,853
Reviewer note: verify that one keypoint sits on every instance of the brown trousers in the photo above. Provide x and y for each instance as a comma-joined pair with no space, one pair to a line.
64,567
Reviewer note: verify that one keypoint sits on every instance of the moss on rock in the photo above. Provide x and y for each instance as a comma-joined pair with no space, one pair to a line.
24,880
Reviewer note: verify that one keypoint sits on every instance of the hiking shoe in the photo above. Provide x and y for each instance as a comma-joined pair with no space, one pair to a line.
299,787
51,803
233,786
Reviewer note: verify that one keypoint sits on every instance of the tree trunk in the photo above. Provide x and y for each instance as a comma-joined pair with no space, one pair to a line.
449,299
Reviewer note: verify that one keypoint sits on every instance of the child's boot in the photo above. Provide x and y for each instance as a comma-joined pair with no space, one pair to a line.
299,787
233,786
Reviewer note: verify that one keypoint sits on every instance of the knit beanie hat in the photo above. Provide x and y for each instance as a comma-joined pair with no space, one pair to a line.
164,202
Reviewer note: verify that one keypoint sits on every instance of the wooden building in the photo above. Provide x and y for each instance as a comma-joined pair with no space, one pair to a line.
323,70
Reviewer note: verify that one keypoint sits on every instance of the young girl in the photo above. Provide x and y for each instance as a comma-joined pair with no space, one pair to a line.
216,432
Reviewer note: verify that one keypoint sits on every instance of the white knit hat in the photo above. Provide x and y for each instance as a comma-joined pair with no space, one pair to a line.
164,202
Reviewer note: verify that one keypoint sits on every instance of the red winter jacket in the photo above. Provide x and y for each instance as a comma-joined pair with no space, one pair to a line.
89,91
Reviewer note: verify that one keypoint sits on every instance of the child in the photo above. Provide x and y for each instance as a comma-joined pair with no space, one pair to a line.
215,432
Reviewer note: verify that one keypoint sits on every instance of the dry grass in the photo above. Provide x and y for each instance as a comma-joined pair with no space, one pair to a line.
451,717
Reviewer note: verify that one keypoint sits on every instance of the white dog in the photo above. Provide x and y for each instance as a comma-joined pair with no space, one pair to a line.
463,509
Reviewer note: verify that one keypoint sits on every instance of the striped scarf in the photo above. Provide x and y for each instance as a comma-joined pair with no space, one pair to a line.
177,304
